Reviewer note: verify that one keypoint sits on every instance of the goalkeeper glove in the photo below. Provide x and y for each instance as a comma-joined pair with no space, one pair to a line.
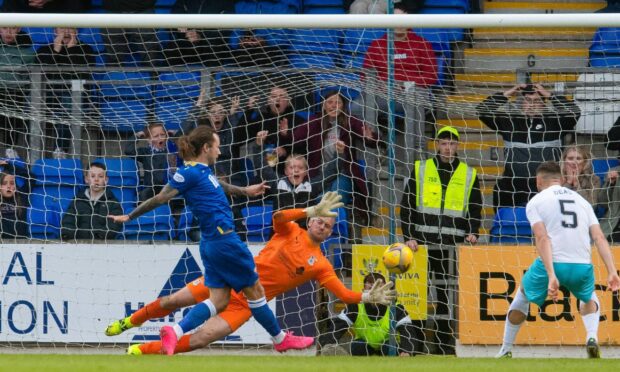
380,293
329,202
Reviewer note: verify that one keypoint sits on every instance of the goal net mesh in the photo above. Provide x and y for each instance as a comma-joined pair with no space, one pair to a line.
74,97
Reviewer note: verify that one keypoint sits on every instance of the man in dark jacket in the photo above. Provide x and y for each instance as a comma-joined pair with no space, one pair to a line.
441,207
532,134
87,216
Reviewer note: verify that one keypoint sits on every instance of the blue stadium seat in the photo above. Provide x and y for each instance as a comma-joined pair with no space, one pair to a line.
154,225
442,10
315,41
264,7
355,43
602,166
511,225
324,10
92,37
123,180
174,97
258,222
68,172
48,203
459,4
40,36
123,97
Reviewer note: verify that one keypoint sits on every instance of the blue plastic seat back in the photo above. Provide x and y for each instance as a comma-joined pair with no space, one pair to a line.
40,36
357,40
602,166
258,222
123,116
178,85
511,225
312,61
126,85
154,225
316,41
58,172
120,171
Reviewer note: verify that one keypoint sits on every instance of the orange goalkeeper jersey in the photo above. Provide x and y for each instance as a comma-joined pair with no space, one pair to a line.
291,258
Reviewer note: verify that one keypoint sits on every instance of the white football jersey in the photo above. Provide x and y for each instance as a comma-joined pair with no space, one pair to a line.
567,217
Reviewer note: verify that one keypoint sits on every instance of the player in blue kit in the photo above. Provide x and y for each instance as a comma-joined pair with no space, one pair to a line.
227,261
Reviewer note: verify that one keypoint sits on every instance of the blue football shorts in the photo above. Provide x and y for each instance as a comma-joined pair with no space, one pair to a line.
576,277
228,262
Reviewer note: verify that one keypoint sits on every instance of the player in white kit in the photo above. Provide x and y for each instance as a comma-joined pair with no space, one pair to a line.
564,225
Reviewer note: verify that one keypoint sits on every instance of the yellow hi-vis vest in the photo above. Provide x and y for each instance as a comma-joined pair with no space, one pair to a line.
431,201
374,332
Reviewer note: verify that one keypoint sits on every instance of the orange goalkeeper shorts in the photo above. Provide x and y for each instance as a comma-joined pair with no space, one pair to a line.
236,313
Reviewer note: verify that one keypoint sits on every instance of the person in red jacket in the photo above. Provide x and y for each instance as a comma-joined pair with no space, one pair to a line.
415,70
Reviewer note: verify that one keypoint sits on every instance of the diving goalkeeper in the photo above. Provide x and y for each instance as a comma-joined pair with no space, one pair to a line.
291,257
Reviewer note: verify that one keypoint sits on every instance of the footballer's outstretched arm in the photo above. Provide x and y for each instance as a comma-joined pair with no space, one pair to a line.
166,194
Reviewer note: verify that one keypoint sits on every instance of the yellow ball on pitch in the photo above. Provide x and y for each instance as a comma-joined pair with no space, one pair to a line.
397,258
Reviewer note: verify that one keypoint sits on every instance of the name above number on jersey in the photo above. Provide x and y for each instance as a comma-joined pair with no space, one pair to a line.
214,181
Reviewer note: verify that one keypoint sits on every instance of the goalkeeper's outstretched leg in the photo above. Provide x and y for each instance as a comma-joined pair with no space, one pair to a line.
160,308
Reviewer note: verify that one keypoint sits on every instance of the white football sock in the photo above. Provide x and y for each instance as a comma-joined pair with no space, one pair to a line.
521,304
279,338
591,321
178,330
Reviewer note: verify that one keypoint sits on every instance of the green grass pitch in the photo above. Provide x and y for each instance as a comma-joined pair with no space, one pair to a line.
15,363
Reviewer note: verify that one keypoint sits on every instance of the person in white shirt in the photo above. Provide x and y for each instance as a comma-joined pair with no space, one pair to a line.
564,224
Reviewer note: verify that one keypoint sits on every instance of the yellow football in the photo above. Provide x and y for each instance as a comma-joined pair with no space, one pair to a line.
397,258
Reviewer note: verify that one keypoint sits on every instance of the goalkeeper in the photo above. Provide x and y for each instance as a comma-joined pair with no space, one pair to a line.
290,258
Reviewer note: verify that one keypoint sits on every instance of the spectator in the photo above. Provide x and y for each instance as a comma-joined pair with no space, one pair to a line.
87,215
532,134
370,324
141,44
255,51
274,122
294,190
441,207
327,140
65,51
15,51
609,198
415,71
190,46
214,114
12,211
45,6
380,6
578,173
158,159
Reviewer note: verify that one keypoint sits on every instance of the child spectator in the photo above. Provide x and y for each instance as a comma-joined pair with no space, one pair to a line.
12,211
158,159
87,216
578,173
292,191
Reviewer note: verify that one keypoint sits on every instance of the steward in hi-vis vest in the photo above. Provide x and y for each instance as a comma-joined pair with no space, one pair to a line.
441,207
442,202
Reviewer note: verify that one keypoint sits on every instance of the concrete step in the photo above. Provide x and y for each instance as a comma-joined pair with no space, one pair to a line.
492,59
528,7
534,33
508,79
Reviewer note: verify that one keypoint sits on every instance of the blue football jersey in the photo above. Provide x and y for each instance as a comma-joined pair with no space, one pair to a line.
205,197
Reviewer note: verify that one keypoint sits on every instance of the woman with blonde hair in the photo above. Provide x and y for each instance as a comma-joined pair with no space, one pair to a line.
578,172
